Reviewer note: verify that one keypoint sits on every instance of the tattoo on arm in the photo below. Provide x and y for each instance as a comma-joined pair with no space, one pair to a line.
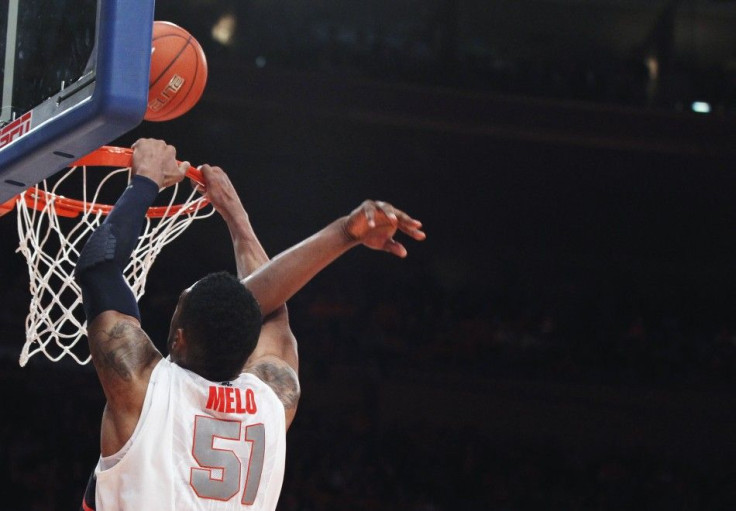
282,379
121,350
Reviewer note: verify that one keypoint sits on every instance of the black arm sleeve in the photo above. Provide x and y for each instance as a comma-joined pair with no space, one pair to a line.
100,266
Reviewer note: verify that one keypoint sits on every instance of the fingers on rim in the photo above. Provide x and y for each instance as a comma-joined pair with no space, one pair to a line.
198,187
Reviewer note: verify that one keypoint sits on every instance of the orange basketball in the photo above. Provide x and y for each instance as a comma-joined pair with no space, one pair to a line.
178,72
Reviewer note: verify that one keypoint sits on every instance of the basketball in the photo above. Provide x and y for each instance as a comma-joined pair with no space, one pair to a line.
178,72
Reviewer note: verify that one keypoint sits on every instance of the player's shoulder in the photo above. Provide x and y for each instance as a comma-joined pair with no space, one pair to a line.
279,376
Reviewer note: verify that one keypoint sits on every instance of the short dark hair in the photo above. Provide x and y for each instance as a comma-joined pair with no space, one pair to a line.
222,321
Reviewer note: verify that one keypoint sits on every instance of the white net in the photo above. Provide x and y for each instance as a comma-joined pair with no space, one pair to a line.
51,244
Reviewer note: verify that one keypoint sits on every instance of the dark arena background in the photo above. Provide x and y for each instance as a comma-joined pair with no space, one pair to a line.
566,336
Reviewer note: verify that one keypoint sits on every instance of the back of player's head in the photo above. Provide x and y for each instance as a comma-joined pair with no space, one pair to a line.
222,321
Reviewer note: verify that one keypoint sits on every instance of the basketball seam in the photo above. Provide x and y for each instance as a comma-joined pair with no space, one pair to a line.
171,63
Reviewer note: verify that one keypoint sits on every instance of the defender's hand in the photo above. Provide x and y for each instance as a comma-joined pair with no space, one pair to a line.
156,160
374,224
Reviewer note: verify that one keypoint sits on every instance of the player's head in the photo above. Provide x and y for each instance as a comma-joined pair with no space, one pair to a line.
215,327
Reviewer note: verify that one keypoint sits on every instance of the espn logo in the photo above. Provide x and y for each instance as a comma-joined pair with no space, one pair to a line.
167,93
15,129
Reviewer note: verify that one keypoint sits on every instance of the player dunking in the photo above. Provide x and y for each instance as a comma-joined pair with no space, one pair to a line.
206,427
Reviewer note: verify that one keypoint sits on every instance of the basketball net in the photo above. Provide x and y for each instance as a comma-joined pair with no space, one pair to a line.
52,231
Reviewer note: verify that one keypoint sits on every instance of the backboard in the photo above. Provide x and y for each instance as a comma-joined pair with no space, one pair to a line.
74,78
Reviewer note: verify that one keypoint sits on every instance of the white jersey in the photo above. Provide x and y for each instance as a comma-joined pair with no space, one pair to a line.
199,446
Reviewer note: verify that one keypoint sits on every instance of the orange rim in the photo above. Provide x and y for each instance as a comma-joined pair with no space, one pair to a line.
105,156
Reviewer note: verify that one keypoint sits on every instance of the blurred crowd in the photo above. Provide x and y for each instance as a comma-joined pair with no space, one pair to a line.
439,44
582,335
360,335
414,57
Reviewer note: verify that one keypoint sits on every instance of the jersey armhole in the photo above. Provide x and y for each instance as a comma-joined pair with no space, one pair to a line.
108,462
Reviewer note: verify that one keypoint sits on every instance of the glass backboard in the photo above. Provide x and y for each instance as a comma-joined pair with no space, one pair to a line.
75,77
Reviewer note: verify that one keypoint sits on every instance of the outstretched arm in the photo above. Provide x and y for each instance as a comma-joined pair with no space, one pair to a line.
373,224
122,353
275,359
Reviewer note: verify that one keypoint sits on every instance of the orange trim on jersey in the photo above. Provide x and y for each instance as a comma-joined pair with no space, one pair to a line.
85,507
